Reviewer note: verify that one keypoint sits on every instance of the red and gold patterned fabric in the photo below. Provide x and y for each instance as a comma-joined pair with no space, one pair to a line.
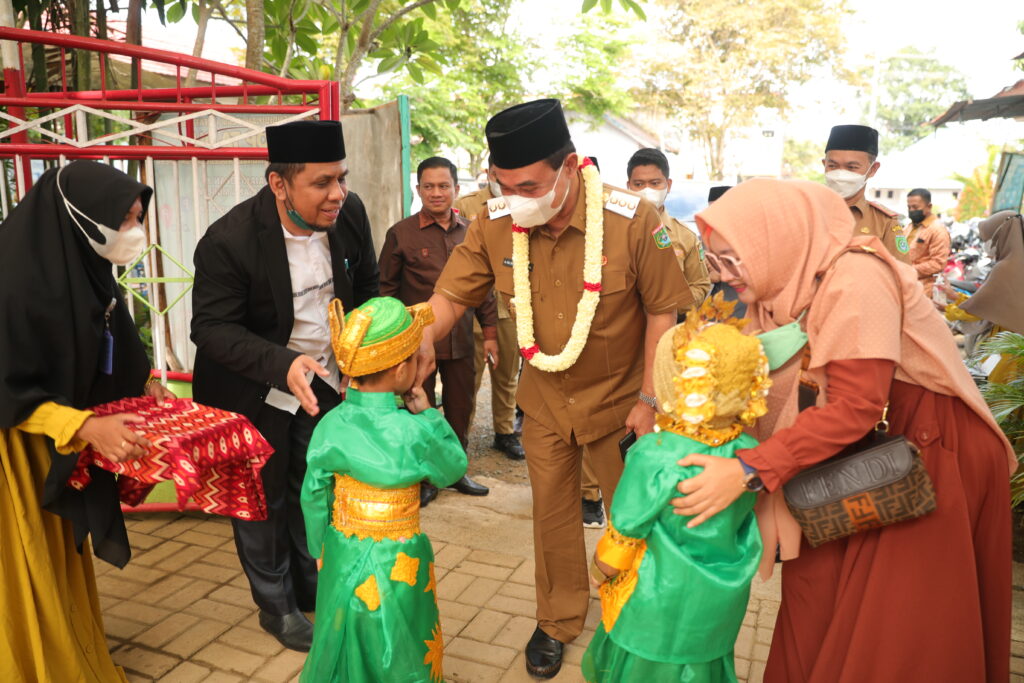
213,456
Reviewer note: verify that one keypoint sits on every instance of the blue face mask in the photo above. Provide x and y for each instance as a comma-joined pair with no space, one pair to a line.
782,343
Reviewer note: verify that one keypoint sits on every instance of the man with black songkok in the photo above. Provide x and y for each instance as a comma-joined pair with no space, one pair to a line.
583,386
851,157
265,273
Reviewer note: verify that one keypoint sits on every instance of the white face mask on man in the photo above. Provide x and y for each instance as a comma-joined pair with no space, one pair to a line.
121,247
846,183
656,197
495,188
529,212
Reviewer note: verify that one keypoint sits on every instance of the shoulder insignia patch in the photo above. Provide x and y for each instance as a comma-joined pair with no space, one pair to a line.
887,211
901,244
623,204
498,208
661,237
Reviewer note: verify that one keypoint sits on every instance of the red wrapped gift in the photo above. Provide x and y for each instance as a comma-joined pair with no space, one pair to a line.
213,456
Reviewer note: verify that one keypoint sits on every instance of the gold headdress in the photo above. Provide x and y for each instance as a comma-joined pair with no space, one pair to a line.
710,379
377,335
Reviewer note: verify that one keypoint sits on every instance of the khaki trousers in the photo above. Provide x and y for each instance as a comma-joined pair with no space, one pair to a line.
563,589
504,378
591,489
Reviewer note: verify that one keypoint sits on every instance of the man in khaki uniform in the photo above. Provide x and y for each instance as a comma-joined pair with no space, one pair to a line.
506,374
929,239
647,173
851,157
586,404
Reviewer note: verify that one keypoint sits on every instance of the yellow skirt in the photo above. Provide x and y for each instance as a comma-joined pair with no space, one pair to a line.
50,623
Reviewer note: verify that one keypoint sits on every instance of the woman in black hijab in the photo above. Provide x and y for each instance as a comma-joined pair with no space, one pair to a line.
67,342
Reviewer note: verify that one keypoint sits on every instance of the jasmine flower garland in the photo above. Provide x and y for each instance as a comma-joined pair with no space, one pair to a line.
592,248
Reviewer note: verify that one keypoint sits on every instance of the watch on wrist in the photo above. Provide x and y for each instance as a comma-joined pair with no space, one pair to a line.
649,400
751,479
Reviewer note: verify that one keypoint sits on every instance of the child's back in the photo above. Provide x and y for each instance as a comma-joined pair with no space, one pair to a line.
376,610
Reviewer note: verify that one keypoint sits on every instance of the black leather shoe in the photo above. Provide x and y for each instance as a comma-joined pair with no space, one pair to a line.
470,487
428,492
543,655
292,630
510,445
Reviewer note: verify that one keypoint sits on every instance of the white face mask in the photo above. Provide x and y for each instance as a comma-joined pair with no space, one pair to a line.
121,248
495,188
529,212
846,183
656,197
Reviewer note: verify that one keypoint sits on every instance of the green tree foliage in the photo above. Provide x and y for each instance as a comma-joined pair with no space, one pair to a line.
717,63
976,197
801,159
1006,399
589,60
912,88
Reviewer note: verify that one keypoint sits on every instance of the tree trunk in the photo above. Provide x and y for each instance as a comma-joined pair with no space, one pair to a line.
82,59
35,22
254,25
205,10
133,35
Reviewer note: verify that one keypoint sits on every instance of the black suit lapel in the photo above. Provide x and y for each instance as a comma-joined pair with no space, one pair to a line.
342,282
275,257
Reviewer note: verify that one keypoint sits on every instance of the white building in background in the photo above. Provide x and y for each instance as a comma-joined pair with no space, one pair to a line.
931,163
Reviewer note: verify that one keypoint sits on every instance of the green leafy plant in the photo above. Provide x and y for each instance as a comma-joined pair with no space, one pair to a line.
1006,400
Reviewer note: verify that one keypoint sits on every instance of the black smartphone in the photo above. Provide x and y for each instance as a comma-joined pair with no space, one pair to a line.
625,442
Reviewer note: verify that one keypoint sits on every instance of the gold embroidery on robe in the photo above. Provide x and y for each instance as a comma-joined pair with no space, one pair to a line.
617,550
405,569
369,512
368,593
435,654
432,581
615,591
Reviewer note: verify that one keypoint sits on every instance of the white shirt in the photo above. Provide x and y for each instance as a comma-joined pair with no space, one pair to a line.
309,262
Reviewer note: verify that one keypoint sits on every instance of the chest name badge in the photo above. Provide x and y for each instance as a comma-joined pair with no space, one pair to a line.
661,237
497,207
622,204
507,262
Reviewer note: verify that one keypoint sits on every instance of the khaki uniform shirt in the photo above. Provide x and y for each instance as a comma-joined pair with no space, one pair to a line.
593,397
470,206
690,255
875,219
929,250
414,254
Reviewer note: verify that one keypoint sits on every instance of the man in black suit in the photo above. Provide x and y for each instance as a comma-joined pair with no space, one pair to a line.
264,275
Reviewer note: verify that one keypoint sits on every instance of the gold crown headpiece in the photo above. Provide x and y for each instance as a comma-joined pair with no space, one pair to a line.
377,335
709,377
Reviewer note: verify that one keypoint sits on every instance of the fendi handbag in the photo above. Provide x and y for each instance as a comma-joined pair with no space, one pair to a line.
879,480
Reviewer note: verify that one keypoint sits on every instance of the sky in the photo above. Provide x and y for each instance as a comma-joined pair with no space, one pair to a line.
980,42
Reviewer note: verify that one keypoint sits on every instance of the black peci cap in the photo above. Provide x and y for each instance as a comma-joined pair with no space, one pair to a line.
305,142
717,191
527,133
853,137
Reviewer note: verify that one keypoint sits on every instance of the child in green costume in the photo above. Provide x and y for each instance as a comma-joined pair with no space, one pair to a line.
376,605
672,597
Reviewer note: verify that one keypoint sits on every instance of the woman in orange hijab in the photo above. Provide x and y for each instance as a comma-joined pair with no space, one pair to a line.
923,600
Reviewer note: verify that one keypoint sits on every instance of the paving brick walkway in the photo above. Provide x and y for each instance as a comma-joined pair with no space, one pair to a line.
181,611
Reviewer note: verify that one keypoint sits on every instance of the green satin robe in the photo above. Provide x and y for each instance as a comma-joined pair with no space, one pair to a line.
681,621
398,639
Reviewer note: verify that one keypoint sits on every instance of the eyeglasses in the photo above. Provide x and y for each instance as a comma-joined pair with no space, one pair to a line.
720,262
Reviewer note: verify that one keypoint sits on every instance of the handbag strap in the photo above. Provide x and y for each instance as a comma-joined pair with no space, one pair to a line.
808,389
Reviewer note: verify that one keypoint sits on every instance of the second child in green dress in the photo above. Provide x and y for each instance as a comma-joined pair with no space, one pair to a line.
673,597
376,605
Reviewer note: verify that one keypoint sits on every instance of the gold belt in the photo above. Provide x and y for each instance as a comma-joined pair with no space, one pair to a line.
369,512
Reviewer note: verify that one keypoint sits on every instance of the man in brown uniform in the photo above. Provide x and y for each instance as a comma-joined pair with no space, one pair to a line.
647,173
929,239
505,372
851,157
415,251
579,403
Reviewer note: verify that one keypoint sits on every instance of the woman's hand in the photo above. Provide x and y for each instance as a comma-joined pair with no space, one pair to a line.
158,391
113,437
711,491
606,569
416,400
